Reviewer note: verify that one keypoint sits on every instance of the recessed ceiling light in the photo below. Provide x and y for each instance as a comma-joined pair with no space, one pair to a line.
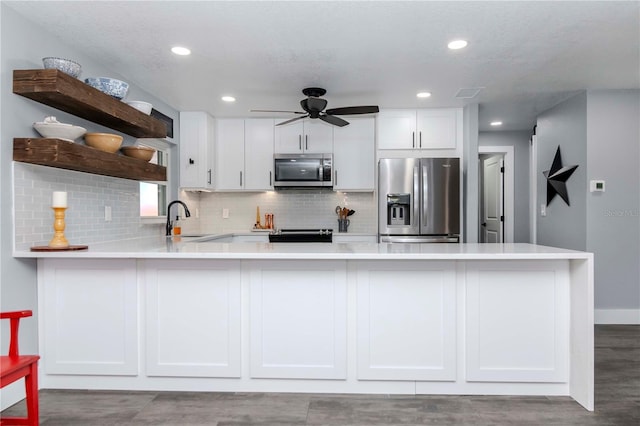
496,123
424,94
182,51
228,99
457,44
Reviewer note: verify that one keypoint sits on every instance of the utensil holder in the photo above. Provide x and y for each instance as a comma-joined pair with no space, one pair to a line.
343,224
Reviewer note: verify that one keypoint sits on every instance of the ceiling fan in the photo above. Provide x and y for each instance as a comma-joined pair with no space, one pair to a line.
314,107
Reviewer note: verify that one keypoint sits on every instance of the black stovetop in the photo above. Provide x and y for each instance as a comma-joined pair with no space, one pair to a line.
302,236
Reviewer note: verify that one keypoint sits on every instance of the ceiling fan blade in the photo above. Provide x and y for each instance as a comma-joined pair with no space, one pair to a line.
275,110
292,120
369,109
336,121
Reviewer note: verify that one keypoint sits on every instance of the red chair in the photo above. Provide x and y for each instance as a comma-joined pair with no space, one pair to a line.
14,367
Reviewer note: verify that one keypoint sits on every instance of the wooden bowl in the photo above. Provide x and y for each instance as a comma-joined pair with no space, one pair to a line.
139,152
107,142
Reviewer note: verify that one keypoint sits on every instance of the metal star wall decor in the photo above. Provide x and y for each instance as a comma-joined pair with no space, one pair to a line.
557,177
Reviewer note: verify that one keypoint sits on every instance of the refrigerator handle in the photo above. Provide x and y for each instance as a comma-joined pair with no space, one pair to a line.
416,198
425,197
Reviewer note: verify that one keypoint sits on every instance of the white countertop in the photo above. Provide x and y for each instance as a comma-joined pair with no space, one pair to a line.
190,248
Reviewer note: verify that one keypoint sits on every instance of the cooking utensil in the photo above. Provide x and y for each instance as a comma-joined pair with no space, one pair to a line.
338,209
351,212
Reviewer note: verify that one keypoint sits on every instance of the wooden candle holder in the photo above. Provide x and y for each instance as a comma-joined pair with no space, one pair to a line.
58,240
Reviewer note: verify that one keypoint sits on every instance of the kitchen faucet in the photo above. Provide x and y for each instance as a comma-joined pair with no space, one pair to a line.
169,222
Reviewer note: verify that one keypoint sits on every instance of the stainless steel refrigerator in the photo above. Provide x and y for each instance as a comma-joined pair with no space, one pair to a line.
419,200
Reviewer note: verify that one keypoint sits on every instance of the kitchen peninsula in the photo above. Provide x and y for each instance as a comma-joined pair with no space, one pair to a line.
203,315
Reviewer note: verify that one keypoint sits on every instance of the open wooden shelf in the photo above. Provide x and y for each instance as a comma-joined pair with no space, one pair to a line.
72,156
59,90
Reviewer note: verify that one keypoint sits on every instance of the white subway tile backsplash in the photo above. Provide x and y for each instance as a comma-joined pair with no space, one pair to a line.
84,218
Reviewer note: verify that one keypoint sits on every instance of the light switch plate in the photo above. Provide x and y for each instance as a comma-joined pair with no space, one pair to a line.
107,214
543,210
225,213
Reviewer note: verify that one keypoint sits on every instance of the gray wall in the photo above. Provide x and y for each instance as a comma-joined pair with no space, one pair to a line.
565,125
613,217
600,131
22,46
519,140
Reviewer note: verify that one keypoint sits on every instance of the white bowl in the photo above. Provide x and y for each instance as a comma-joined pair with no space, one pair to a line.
111,86
67,132
144,107
65,65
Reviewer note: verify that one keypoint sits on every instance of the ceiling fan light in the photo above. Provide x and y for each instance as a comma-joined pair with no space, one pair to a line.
457,44
423,94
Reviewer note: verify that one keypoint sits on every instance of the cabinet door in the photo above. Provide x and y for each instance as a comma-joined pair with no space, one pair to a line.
230,154
318,137
258,154
397,129
90,309
289,138
354,155
193,318
196,150
406,320
436,129
298,326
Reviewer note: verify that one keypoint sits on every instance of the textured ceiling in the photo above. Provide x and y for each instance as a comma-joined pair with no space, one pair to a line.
527,56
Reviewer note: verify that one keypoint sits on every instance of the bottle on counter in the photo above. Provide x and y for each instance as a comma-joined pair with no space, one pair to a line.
177,229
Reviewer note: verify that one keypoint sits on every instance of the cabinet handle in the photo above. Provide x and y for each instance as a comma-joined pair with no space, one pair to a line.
191,161
270,178
209,176
240,178
300,142
306,142
335,178
420,139
413,138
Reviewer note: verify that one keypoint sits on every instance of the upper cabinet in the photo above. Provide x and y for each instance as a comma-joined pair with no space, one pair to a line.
354,155
418,129
312,136
59,90
196,150
244,152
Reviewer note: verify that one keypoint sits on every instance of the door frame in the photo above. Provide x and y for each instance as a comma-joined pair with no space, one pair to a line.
509,195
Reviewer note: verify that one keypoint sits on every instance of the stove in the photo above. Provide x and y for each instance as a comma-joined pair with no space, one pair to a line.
302,236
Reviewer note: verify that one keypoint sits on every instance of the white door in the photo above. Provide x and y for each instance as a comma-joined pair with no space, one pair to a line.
230,154
353,155
492,200
258,154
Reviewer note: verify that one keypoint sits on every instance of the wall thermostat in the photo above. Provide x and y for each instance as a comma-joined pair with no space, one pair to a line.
596,186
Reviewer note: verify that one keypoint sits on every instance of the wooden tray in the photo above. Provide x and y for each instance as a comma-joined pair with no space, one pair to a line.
47,248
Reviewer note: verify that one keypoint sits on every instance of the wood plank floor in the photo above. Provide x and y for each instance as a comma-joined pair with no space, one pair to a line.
617,402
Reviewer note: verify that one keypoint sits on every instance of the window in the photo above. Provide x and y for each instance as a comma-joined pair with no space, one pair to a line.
153,195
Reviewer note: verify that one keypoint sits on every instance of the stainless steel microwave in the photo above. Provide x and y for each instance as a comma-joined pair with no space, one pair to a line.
303,170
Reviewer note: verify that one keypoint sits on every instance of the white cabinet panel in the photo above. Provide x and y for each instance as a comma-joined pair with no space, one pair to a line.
298,319
353,155
436,129
312,136
422,129
193,318
89,311
196,150
406,321
258,154
397,129
517,321
230,154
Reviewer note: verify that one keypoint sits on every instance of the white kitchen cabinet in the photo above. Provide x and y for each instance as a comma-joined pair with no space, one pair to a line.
354,155
89,310
421,129
406,326
312,136
196,150
258,154
244,153
193,318
298,319
230,154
